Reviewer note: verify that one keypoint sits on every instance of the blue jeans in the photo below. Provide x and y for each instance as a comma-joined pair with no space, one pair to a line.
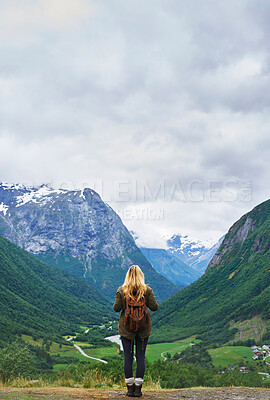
128,346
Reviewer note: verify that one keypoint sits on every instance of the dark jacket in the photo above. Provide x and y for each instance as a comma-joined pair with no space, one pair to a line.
120,304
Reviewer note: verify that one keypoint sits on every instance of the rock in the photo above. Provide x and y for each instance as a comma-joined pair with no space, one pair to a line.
76,231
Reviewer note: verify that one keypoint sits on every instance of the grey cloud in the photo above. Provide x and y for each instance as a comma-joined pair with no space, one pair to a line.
137,90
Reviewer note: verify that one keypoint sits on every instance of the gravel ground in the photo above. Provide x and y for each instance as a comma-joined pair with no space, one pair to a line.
63,393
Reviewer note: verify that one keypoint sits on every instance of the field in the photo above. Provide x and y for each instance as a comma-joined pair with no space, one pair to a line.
224,356
101,352
228,355
57,367
154,351
54,348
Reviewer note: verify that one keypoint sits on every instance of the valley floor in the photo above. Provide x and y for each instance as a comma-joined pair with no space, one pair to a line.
202,393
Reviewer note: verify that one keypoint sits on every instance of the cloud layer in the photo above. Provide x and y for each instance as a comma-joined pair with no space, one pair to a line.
124,96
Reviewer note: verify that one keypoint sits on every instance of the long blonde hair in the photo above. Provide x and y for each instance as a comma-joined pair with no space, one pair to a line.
134,279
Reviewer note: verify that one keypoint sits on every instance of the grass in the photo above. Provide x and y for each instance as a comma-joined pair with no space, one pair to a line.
223,356
54,348
76,354
153,351
30,340
57,367
84,327
70,351
251,328
101,352
228,355
83,344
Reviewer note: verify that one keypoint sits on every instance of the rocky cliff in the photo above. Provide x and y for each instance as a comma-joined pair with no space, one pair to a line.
240,230
234,288
77,232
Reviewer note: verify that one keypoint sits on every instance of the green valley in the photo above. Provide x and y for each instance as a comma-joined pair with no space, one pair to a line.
40,300
235,287
202,335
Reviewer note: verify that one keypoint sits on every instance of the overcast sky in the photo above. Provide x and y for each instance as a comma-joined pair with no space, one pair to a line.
161,106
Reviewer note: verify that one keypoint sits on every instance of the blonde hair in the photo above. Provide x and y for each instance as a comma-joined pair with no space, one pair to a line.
134,279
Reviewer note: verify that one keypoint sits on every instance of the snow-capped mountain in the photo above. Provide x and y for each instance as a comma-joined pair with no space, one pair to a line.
76,231
171,266
183,259
195,253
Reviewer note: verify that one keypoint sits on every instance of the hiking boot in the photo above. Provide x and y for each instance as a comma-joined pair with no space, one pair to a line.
138,387
138,391
130,391
130,386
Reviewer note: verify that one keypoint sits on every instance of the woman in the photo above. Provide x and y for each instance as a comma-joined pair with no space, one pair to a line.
134,288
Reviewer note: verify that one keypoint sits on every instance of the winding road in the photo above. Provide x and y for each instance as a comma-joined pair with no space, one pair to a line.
86,355
83,353
116,339
166,351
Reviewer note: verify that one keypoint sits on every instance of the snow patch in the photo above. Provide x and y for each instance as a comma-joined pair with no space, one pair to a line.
41,195
3,208
193,243
82,195
15,186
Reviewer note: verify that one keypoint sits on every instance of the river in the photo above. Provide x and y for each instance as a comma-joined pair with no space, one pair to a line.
115,339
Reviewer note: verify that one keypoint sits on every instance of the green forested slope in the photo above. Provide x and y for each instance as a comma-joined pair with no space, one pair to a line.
234,286
36,298
107,276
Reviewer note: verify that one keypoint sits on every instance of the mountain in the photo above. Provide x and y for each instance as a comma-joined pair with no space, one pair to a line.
235,286
184,260
170,266
75,231
201,261
39,299
192,252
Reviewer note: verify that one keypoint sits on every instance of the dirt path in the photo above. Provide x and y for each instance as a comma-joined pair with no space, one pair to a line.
81,350
167,351
65,393
86,355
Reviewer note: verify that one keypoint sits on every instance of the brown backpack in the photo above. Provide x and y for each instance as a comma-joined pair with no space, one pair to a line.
136,315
